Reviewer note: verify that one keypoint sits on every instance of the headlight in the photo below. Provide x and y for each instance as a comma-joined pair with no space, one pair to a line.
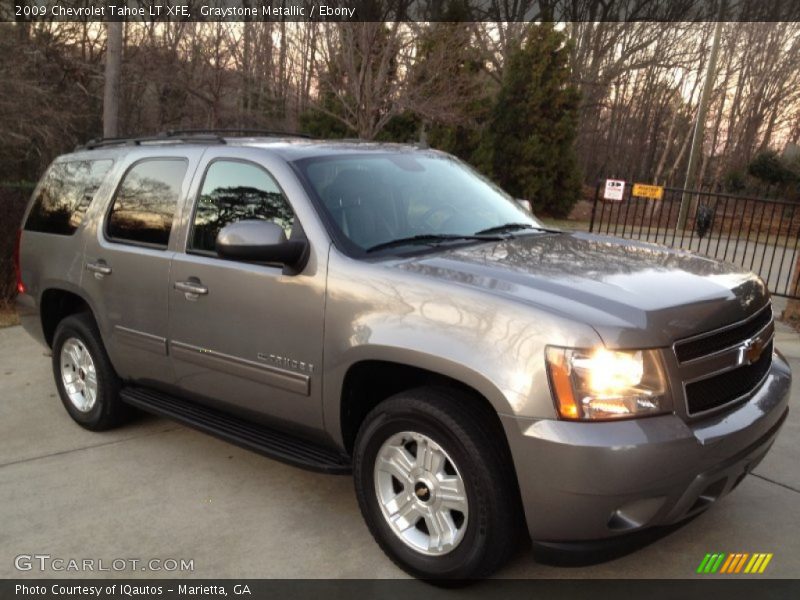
605,384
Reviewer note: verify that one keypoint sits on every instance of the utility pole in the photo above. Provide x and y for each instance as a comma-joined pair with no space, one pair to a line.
700,123
112,75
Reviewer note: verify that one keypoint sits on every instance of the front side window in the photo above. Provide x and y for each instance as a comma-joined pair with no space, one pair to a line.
380,198
145,203
65,195
235,191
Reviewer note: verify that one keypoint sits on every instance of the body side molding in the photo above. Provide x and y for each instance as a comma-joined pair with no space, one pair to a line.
239,367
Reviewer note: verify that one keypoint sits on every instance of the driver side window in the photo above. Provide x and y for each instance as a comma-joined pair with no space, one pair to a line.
235,191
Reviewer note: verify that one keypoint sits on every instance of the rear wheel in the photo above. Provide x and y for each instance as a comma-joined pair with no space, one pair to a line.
86,381
435,485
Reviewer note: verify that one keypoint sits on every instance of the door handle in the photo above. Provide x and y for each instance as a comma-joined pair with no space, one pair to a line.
191,289
99,268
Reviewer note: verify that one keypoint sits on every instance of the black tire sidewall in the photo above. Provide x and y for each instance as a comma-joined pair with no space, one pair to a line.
468,555
82,328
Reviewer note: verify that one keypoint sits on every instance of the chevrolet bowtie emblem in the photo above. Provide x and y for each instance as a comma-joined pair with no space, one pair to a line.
750,351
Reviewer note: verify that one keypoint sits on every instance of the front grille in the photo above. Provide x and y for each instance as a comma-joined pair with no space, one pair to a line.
716,341
728,386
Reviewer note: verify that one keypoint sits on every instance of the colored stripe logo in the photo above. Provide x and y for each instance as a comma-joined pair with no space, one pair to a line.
737,562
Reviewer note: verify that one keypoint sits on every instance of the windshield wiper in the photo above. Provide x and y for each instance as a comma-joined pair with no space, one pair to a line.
432,238
508,227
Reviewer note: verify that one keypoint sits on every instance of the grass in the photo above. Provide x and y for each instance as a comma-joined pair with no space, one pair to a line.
8,316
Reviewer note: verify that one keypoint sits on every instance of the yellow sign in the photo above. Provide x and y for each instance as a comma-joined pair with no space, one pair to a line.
643,190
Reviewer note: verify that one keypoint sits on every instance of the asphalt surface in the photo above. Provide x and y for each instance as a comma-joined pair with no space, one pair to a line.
157,490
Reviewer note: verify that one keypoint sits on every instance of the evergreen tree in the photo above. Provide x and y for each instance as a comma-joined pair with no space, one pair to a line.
460,91
529,147
769,167
322,124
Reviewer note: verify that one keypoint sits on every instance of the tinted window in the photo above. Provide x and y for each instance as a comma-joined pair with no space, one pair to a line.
235,191
144,206
65,195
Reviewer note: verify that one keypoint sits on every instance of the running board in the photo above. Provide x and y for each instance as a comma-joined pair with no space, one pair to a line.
252,436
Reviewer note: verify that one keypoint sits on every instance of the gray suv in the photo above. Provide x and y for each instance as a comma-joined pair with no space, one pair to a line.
386,311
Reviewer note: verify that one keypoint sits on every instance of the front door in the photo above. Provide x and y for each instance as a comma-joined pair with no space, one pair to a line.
242,335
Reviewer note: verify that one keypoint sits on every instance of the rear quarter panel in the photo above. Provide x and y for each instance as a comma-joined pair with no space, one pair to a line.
51,261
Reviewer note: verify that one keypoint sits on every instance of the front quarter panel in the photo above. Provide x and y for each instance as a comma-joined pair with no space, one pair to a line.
495,346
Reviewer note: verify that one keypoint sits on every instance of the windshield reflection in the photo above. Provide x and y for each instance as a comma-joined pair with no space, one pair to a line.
377,198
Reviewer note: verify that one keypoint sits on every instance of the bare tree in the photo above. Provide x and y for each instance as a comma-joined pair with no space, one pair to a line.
639,82
112,77
364,74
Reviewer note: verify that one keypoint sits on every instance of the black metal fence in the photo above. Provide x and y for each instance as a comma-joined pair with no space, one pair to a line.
755,233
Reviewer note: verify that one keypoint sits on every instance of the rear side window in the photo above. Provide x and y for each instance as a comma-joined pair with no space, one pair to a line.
145,202
66,192
234,191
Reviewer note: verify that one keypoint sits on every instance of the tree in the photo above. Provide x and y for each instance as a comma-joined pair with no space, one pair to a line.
324,120
639,82
453,93
361,75
769,168
112,75
530,141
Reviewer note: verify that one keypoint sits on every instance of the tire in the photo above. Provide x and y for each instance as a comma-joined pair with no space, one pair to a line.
464,541
86,381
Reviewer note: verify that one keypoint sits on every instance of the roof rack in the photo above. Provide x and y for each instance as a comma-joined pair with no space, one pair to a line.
237,131
161,137
208,136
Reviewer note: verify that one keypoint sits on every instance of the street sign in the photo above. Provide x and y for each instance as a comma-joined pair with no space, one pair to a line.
643,190
614,190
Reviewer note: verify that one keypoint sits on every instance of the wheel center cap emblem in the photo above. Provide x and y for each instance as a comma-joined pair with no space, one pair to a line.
422,492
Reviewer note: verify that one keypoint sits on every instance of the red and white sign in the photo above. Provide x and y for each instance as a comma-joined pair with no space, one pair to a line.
614,190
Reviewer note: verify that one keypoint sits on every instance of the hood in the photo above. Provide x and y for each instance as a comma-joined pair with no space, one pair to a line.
633,294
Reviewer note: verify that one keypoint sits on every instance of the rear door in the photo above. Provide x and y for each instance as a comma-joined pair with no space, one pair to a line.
242,335
127,261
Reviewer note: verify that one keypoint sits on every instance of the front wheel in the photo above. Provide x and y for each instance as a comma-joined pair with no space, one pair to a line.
435,485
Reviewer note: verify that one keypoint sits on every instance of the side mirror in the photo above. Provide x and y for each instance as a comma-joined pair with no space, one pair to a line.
526,204
261,241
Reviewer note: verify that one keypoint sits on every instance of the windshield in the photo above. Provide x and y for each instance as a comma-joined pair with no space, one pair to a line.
376,199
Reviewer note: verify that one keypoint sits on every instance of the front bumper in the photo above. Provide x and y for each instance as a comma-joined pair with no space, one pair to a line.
587,481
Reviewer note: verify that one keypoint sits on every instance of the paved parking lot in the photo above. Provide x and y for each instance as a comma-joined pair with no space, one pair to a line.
157,490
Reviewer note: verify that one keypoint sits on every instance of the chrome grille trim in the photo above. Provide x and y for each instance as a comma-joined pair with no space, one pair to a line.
723,360
710,374
701,336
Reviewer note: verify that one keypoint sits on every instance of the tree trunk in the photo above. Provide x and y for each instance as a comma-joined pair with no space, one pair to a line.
112,75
